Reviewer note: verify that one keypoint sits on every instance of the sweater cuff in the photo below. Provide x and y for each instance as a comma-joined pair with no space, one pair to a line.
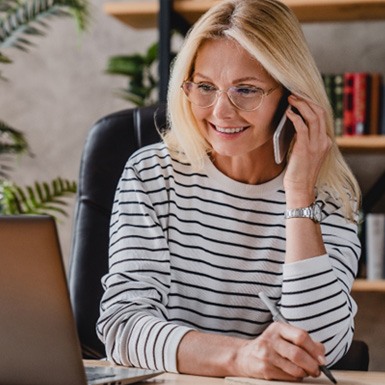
171,348
307,266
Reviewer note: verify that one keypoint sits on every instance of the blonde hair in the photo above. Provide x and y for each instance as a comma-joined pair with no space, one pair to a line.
271,33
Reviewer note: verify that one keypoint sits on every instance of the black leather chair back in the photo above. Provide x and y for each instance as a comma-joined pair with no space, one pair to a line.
109,144
357,358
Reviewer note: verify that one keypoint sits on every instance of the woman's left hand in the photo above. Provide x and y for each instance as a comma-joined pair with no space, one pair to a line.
310,148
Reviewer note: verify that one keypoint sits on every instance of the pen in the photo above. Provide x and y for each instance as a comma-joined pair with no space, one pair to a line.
277,316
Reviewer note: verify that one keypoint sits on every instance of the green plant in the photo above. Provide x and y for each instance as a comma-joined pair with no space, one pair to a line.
42,198
140,70
142,73
20,20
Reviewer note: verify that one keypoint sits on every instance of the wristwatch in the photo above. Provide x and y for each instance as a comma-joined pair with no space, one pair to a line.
313,212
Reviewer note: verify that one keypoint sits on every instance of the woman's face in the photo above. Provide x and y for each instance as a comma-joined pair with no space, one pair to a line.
232,132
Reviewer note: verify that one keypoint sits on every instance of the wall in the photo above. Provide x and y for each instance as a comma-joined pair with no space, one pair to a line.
58,90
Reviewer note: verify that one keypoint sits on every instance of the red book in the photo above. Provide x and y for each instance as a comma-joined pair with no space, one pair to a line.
349,128
360,102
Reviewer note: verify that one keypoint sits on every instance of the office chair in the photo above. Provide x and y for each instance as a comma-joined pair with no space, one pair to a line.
109,144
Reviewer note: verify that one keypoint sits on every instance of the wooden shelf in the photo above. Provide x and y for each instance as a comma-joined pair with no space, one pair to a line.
364,285
144,13
364,143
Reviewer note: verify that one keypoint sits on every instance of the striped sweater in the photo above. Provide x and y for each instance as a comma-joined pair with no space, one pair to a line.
192,250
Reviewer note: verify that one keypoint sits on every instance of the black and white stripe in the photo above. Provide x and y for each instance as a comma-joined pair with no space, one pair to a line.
193,249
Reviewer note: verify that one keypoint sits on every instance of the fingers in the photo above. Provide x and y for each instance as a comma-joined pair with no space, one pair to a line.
291,351
298,347
310,122
279,363
310,147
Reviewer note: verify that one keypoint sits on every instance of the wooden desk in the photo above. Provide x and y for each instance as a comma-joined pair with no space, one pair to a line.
343,378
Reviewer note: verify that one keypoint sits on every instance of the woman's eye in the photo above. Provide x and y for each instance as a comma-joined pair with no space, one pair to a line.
248,91
206,88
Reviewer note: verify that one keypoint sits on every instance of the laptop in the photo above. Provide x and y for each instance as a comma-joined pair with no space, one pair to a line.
38,338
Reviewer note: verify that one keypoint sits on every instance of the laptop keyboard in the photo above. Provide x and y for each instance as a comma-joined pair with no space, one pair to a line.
93,373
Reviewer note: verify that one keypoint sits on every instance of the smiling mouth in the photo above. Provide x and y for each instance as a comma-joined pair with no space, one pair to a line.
231,130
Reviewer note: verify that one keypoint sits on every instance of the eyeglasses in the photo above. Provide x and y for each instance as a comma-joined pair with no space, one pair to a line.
246,98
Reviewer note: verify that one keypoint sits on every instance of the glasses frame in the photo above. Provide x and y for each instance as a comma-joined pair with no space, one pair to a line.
219,91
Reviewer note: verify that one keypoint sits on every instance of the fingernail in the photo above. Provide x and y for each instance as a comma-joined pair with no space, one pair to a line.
321,360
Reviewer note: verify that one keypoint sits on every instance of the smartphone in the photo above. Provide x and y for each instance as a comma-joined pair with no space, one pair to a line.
283,136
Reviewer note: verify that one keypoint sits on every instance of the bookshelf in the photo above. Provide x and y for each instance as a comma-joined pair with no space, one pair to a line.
143,14
364,285
362,143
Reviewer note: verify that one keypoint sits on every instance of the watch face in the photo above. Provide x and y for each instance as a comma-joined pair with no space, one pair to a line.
317,212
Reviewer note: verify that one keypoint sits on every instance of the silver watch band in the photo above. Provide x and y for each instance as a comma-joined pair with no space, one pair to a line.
313,212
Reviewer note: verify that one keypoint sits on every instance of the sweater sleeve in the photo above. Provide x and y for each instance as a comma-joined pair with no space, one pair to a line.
316,292
133,313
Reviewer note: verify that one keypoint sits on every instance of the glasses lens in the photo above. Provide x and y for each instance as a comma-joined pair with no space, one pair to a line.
246,98
203,95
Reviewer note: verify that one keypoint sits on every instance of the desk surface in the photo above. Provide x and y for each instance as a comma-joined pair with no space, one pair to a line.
343,378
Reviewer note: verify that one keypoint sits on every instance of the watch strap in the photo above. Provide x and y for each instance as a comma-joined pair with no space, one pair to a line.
313,212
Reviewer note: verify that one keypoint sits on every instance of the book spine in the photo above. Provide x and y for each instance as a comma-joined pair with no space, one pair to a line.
382,110
339,104
328,80
348,112
375,245
375,81
360,101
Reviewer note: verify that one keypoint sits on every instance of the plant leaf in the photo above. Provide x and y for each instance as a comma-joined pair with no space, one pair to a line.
152,54
41,198
131,65
22,18
12,141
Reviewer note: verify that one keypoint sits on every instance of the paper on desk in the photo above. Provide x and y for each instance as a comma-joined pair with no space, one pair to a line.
309,380
256,381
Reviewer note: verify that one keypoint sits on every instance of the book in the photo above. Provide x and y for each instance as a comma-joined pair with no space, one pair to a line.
348,114
382,111
374,86
334,87
339,104
360,102
375,245
328,80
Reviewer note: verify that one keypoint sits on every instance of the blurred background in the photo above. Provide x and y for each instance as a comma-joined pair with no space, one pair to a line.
56,91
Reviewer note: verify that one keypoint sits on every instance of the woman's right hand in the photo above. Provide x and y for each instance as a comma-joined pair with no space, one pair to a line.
281,352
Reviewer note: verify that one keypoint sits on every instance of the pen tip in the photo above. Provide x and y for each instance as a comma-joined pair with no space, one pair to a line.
328,374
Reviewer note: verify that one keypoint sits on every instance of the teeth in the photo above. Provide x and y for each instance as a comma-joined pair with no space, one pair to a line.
229,130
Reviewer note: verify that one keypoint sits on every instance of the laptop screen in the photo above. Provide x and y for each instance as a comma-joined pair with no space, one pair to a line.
38,339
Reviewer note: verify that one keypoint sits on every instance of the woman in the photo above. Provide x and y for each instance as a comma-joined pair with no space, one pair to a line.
206,220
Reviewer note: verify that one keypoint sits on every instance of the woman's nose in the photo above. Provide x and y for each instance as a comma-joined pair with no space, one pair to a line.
223,105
